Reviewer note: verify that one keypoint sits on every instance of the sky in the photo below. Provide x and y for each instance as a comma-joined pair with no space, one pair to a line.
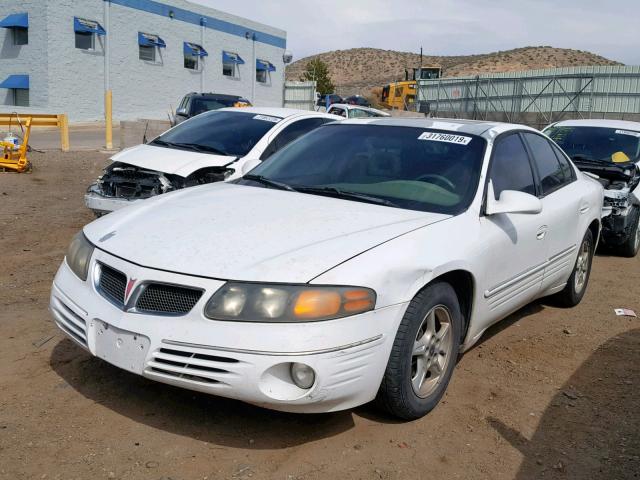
610,28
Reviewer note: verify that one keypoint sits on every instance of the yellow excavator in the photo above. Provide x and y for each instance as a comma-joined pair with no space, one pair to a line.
401,95
14,157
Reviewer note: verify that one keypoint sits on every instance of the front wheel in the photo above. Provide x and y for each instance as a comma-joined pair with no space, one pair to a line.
424,353
576,286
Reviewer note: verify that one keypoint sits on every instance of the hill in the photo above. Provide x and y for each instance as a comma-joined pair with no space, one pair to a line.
359,69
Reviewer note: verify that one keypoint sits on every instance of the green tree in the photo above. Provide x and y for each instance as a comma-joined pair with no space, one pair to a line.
318,71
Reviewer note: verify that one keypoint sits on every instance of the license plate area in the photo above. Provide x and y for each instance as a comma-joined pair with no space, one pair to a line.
122,348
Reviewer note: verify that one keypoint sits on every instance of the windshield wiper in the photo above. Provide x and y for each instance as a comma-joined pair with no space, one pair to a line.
190,146
585,159
269,183
338,193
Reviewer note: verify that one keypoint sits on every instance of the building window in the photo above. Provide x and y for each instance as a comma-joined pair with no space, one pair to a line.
230,64
147,46
192,54
263,70
85,41
147,53
20,97
86,32
20,36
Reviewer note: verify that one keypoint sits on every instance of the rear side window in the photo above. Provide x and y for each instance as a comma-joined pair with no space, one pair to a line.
564,163
510,167
552,174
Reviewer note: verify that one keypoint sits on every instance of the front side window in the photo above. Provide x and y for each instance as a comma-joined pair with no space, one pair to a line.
232,133
510,167
406,167
20,36
552,175
597,143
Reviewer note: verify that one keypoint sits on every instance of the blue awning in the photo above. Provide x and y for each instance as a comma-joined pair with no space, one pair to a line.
194,50
16,81
81,25
228,57
16,20
148,40
264,65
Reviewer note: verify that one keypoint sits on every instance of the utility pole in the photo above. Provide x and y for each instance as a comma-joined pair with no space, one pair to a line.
108,101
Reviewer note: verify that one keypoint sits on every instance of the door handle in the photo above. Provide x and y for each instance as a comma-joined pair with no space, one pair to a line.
542,232
584,208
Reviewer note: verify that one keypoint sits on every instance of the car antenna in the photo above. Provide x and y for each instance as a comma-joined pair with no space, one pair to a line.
144,135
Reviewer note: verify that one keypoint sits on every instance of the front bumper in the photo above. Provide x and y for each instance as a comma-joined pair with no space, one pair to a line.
101,205
617,227
244,361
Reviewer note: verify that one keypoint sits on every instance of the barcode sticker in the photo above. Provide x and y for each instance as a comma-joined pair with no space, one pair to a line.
628,132
267,118
445,137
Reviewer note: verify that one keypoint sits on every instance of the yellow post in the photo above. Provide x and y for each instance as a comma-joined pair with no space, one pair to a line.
108,120
63,125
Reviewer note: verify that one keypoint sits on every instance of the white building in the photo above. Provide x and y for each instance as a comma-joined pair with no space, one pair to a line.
59,56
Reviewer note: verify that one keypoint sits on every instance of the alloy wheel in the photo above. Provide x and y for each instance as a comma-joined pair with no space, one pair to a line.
432,351
582,266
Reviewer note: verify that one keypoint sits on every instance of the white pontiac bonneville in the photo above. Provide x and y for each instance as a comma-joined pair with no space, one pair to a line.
327,278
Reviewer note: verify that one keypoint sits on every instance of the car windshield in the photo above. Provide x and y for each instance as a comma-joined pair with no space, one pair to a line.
232,133
199,105
597,143
406,167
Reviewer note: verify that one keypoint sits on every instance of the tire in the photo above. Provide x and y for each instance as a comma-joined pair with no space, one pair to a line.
631,245
422,347
576,286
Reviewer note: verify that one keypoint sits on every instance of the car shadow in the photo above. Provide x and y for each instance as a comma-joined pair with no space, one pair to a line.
590,428
207,418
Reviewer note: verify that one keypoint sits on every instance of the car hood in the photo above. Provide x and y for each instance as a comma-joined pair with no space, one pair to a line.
237,232
170,160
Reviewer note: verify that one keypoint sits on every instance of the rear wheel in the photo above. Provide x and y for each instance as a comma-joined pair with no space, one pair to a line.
424,353
576,286
632,244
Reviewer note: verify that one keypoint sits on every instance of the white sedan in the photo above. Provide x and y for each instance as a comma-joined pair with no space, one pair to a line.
335,277
210,147
355,111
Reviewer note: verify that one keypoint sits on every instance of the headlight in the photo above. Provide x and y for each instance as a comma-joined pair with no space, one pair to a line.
251,302
79,254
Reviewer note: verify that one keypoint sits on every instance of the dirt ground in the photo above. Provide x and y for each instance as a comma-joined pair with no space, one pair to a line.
548,393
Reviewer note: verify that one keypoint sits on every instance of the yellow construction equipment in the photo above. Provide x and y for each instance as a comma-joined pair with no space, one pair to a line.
401,95
14,157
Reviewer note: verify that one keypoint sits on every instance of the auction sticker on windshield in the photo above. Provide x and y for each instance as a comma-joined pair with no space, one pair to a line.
267,118
628,132
445,137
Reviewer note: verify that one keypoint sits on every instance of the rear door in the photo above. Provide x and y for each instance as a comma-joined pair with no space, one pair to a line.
515,243
564,203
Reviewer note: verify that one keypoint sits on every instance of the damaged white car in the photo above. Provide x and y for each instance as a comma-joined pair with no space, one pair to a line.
210,147
335,276
610,151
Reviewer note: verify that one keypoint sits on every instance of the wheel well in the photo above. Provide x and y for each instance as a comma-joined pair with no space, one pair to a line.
463,285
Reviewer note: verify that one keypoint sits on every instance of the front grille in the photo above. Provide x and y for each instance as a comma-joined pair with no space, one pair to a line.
191,366
169,299
112,284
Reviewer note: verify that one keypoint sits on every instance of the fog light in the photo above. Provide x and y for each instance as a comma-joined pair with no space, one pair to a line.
302,375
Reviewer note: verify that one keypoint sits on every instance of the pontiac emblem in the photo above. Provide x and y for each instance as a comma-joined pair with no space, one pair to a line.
130,284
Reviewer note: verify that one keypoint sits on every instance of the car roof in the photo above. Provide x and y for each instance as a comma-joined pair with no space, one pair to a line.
473,127
214,95
598,123
278,112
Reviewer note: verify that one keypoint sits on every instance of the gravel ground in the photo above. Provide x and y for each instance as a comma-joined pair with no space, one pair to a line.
548,393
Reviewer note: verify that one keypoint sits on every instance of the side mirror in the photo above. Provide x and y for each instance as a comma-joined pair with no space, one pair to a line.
182,112
511,201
